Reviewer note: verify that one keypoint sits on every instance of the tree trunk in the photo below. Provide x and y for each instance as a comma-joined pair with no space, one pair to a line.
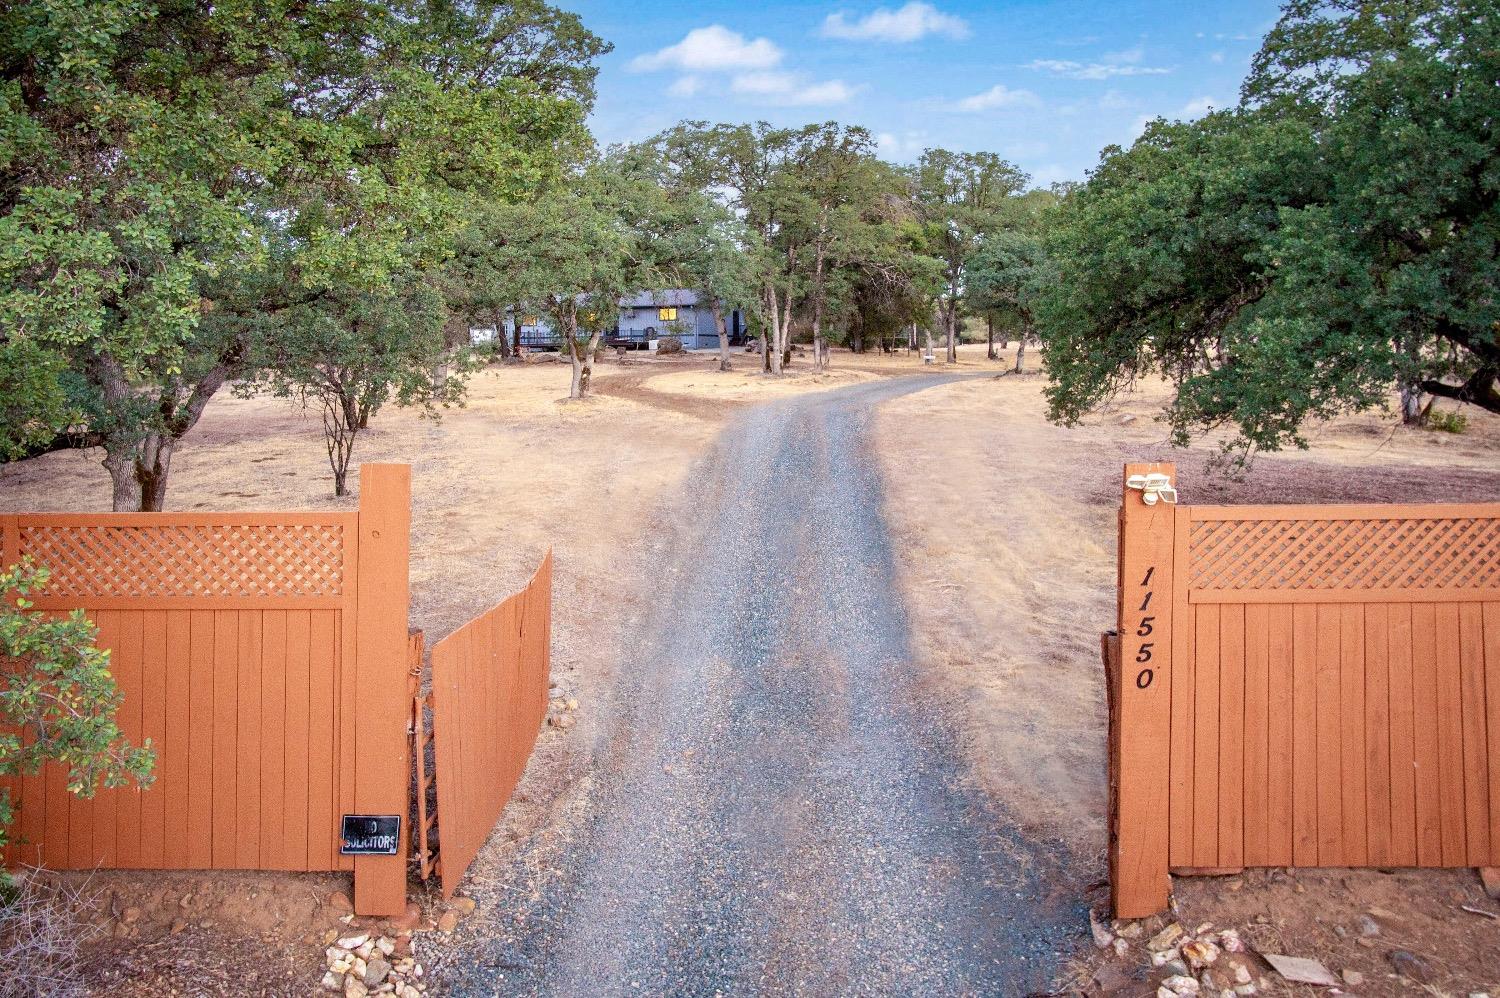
718,311
950,319
1020,367
989,325
515,322
1412,413
583,360
501,339
138,472
773,351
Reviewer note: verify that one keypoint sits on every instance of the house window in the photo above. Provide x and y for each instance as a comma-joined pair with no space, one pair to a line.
529,320
666,314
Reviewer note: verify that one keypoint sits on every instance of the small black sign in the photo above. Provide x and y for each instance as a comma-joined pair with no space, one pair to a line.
370,835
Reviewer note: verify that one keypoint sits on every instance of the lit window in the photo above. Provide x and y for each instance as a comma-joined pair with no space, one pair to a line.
667,314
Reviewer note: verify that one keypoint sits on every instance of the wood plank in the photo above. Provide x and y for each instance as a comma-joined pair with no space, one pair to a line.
251,720
154,669
1329,727
382,782
1231,736
1492,727
225,735
128,667
1425,722
322,750
1205,736
1305,735
33,817
1450,736
174,774
101,810
273,736
294,816
1182,696
1377,747
200,839
1281,738
1403,747
1356,843
1476,767
1257,737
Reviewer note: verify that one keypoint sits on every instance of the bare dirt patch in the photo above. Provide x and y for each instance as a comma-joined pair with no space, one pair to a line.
1006,540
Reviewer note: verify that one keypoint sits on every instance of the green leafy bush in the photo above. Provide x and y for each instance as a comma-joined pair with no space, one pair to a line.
1447,422
55,685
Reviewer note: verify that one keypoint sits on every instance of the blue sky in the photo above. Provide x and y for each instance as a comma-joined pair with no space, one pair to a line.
1045,83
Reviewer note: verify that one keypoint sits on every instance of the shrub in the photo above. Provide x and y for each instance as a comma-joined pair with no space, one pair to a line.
40,937
55,685
1447,422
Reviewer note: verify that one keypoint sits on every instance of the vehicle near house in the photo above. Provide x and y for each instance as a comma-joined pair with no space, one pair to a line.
650,315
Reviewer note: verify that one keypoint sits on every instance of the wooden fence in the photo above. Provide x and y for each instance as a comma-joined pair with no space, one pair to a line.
489,698
265,657
1302,686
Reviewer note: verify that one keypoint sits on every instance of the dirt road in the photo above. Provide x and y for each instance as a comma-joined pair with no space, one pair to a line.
777,806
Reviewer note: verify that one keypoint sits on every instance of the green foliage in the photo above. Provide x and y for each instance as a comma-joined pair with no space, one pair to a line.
1302,254
175,176
1447,422
55,686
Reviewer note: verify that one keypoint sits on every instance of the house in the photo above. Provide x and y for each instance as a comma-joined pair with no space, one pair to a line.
648,316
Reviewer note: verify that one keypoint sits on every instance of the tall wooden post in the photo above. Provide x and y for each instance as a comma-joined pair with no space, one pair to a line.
1141,701
382,774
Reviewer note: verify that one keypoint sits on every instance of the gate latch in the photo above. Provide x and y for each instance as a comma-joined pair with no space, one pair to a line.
1153,486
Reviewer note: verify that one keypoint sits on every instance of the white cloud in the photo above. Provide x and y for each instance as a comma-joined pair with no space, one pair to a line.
685,86
1103,70
900,148
1198,107
1113,100
790,88
712,48
1130,55
998,96
914,21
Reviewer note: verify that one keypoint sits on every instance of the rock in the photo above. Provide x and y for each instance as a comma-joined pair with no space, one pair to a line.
333,981
1121,947
407,920
1102,937
572,704
1301,970
353,942
1164,957
1489,876
1128,930
131,915
1385,916
354,987
448,922
465,905
366,951
1353,978
1165,992
1200,953
1181,984
1231,942
1233,885
1368,926
340,902
376,971
1125,419
386,946
1165,939
1245,989
179,925
1175,968
358,967
1410,966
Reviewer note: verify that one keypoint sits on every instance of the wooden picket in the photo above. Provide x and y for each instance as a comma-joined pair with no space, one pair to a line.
264,655
1319,686
489,698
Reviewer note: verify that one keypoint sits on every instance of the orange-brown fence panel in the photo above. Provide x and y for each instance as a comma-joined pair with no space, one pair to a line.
489,698
250,649
1326,690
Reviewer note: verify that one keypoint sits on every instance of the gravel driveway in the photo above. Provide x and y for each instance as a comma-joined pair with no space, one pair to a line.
776,805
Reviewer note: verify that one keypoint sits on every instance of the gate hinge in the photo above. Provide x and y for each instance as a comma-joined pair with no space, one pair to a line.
1153,486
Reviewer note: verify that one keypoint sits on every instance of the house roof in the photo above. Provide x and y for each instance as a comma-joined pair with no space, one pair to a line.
655,299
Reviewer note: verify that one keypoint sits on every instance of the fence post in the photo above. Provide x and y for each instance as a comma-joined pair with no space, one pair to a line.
1141,700
382,766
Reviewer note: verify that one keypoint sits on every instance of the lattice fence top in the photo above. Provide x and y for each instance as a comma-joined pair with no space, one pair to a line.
188,560
1333,555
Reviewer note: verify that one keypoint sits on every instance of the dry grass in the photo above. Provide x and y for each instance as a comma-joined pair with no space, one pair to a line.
42,937
1009,568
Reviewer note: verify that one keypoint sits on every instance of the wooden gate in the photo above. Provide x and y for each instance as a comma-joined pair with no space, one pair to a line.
489,698
264,656
1301,686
